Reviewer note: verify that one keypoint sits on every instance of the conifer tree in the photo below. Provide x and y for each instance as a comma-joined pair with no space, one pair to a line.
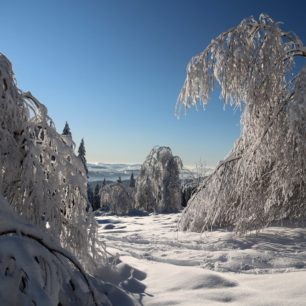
66,130
96,198
90,194
132,181
119,180
82,155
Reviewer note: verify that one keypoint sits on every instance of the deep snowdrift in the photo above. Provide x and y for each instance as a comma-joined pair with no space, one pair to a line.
175,268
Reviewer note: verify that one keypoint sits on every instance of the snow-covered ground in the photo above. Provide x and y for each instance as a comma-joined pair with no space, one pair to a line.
215,268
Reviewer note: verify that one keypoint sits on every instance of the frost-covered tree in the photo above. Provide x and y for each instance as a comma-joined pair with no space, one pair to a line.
82,155
263,178
115,198
40,175
132,181
44,182
158,184
66,130
38,271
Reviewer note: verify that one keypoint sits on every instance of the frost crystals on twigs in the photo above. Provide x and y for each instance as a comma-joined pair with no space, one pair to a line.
263,179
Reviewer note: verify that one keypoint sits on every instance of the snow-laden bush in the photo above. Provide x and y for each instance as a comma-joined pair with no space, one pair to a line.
36,270
263,179
48,243
116,198
158,187
40,175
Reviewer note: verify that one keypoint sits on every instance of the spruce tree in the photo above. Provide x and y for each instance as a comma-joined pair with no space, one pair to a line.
119,180
132,181
66,130
81,155
90,195
96,198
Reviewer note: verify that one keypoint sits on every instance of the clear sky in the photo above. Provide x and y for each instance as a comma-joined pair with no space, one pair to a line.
113,69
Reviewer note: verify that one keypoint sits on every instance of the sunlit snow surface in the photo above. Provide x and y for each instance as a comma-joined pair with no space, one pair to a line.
268,268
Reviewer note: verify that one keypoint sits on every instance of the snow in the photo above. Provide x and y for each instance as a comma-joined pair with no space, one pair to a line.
213,268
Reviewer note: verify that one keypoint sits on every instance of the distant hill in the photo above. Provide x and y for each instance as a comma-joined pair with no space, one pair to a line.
111,172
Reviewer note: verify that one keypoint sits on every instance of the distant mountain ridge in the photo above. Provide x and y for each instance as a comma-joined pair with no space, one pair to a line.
111,172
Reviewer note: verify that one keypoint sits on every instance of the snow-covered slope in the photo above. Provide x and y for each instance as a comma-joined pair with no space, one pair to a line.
214,268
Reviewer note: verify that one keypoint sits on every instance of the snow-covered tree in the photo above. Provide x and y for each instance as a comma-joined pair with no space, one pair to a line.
38,271
66,130
40,175
263,179
158,185
48,243
82,155
115,198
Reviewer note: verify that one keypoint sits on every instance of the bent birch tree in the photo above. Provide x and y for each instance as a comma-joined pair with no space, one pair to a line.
263,179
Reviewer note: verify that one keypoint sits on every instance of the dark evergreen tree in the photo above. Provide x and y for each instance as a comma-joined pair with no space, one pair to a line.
96,198
90,195
66,130
81,155
132,181
119,180
104,183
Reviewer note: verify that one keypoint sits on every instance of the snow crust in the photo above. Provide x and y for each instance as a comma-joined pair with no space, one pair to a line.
188,268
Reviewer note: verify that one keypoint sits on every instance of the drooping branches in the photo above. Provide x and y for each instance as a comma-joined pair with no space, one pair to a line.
263,178
42,178
246,60
158,186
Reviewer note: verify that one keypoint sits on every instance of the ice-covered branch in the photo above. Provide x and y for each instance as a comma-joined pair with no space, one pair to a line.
264,177
239,60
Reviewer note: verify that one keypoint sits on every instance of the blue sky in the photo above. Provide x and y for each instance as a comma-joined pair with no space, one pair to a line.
114,69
